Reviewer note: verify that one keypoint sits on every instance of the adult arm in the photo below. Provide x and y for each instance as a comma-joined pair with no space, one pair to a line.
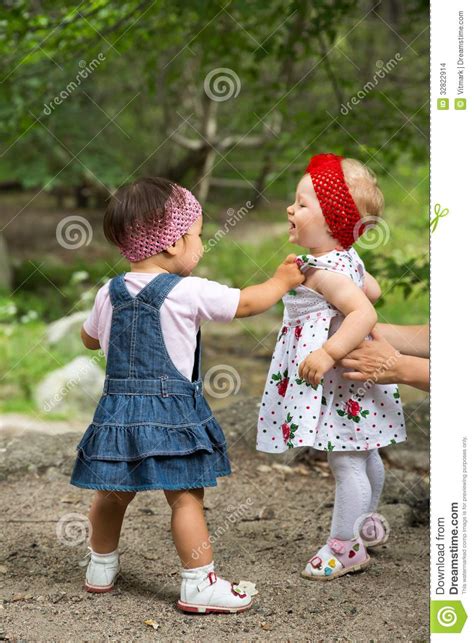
409,340
378,361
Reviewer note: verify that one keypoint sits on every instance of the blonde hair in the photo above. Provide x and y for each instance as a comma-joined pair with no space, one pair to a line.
362,184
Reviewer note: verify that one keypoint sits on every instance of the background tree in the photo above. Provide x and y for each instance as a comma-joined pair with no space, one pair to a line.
145,108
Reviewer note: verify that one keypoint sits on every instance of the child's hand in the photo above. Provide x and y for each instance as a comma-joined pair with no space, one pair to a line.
313,367
256,299
89,342
289,273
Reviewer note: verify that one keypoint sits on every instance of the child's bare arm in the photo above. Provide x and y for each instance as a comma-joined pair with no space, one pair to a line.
371,287
360,318
257,299
89,342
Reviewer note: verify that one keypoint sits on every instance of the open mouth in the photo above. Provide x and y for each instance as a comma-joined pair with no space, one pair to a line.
292,225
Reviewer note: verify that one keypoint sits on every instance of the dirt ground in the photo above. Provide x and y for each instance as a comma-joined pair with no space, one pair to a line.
266,520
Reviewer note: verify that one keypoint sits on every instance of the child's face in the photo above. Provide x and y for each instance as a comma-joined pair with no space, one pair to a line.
189,249
308,227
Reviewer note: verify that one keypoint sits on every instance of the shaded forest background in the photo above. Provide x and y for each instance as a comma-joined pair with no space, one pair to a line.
228,98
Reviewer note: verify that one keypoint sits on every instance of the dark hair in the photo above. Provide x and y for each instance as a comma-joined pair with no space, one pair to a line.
138,203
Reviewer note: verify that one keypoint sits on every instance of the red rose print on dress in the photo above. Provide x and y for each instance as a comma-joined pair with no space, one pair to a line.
288,431
353,411
282,386
298,331
283,331
281,382
352,407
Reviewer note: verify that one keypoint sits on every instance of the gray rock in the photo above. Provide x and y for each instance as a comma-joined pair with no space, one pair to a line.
414,454
400,515
65,327
37,453
75,388
404,486
16,424
65,334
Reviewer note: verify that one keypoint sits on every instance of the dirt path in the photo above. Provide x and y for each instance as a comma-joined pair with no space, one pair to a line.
41,596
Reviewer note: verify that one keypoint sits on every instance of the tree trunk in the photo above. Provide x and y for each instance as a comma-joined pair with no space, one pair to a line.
209,131
261,181
81,193
6,277
194,160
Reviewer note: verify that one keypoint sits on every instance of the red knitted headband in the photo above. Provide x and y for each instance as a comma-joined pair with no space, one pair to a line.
337,204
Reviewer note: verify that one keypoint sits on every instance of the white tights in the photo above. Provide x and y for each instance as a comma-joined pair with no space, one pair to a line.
359,482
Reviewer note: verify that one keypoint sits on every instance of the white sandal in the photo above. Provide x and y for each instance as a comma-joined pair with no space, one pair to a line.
206,593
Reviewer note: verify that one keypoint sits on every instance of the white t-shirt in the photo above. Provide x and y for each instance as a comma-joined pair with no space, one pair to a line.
190,302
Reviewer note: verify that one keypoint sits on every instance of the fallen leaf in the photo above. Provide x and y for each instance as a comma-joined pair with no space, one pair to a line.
302,470
152,623
284,468
265,626
22,597
68,500
323,469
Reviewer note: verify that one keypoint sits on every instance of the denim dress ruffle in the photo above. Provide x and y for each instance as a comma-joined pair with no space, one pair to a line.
152,428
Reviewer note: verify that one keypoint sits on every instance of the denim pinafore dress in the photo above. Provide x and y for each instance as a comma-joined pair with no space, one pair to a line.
152,428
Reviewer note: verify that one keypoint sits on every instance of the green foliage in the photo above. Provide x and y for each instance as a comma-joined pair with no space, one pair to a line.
300,59
297,58
56,290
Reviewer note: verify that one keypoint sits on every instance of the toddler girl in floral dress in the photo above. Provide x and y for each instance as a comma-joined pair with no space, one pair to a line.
307,401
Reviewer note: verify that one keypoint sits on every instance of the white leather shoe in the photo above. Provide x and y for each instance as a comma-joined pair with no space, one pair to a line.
203,592
102,571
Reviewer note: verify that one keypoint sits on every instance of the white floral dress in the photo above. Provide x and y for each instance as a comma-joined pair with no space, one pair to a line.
337,415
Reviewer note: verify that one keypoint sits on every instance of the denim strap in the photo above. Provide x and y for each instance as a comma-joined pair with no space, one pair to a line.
154,293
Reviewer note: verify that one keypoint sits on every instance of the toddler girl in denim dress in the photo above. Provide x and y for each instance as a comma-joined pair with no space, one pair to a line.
152,428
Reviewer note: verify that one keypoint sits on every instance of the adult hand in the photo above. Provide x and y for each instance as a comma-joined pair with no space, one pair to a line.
374,360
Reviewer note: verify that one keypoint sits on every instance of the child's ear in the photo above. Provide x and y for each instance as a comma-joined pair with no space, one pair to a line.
173,249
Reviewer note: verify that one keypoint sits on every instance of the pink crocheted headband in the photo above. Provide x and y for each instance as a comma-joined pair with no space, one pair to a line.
182,209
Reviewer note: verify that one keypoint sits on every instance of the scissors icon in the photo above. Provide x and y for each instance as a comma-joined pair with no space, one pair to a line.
439,214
